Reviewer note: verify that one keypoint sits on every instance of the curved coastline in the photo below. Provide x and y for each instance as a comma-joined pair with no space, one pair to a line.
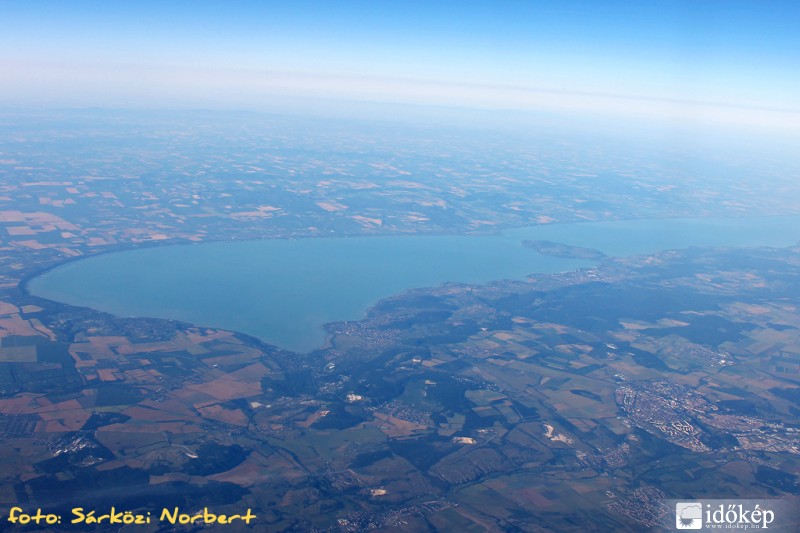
24,284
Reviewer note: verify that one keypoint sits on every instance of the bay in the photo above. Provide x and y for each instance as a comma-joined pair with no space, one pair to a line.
284,291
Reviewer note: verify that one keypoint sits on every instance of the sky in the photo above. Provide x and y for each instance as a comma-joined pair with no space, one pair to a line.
727,62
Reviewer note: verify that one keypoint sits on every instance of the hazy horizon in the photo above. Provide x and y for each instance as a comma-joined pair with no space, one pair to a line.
682,64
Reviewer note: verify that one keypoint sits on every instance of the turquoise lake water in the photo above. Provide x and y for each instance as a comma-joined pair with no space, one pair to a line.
283,291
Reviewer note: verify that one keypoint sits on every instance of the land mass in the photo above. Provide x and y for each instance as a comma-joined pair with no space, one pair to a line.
557,249
578,401
444,407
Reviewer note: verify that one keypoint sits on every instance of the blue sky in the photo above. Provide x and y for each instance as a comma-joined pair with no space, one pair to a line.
718,60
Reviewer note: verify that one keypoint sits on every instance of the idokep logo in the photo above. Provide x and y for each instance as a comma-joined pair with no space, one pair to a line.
745,515
689,515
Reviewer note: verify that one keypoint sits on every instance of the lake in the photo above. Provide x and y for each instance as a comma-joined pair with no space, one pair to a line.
284,291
